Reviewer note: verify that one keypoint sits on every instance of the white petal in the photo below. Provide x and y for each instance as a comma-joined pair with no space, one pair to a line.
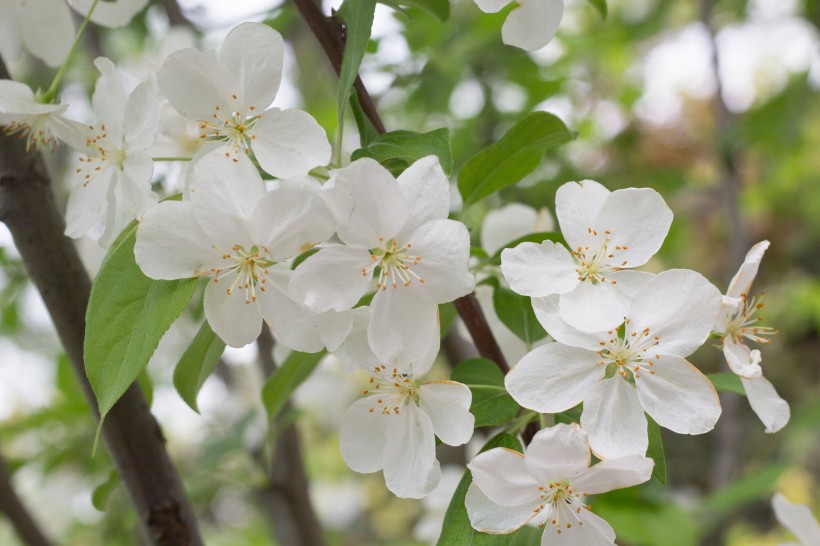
506,224
595,531
742,360
111,13
253,53
491,6
554,377
426,191
142,114
332,278
637,219
742,281
16,97
558,453
236,322
447,403
130,195
533,24
680,307
547,313
444,248
772,410
355,352
363,435
504,477
47,30
195,83
594,307
576,206
109,99
87,205
678,396
539,270
410,466
289,142
614,474
798,519
614,419
487,516
11,39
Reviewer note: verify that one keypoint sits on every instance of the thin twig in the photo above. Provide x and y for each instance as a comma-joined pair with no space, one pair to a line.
11,505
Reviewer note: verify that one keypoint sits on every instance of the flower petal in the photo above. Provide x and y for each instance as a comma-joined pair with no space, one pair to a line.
547,313
130,195
557,453
614,419
539,270
109,99
11,39
742,281
595,531
355,352
289,142
576,206
142,115
504,477
234,320
742,360
487,516
614,474
506,224
195,83
410,466
678,396
444,249
426,191
363,436
447,403
87,205
47,30
533,24
594,307
798,519
491,6
554,377
253,53
111,13
772,410
332,278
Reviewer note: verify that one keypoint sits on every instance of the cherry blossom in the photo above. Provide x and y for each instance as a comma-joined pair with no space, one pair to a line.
798,519
607,232
42,125
639,366
548,486
531,25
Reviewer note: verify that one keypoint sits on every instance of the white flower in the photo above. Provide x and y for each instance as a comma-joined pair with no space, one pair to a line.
798,519
42,125
738,320
393,428
229,94
110,13
531,25
607,233
238,234
400,229
112,183
508,223
548,486
618,375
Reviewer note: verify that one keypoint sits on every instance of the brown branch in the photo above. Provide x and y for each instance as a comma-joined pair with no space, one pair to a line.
175,15
11,505
131,433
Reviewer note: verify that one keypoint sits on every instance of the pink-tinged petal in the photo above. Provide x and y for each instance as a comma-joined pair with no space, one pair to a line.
231,316
332,278
614,419
558,453
678,306
798,519
47,30
109,99
489,517
554,377
772,410
443,247
404,328
539,270
447,404
491,6
289,143
426,191
366,201
742,360
291,218
504,477
576,206
410,466
253,53
614,474
637,220
363,435
110,13
87,205
533,24
595,531
195,83
142,114
171,245
547,313
594,307
678,396
742,281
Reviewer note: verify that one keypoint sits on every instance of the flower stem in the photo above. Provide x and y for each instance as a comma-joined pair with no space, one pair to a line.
52,90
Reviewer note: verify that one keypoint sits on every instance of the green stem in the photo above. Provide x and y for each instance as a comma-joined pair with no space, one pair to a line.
52,90
520,423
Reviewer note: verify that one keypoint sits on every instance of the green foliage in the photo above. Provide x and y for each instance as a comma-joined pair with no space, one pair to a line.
512,157
655,450
491,405
727,382
515,311
397,150
101,493
600,6
197,363
726,501
296,368
127,315
440,9
358,16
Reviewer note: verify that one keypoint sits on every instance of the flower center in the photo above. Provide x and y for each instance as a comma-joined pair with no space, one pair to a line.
37,130
744,323
394,263
105,154
233,128
597,258
562,504
628,354
391,390
249,269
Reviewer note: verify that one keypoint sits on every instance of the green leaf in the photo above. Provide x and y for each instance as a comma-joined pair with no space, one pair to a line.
358,18
600,7
296,368
538,237
101,494
405,147
491,405
367,131
440,9
127,315
457,530
727,382
513,157
727,501
655,450
515,311
197,363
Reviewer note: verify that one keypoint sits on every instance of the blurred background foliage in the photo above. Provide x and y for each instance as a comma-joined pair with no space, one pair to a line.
649,107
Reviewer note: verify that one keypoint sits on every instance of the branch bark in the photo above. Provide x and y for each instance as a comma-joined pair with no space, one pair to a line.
130,432
11,505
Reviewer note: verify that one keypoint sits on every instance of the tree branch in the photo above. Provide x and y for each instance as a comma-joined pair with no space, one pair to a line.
130,432
175,15
11,505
